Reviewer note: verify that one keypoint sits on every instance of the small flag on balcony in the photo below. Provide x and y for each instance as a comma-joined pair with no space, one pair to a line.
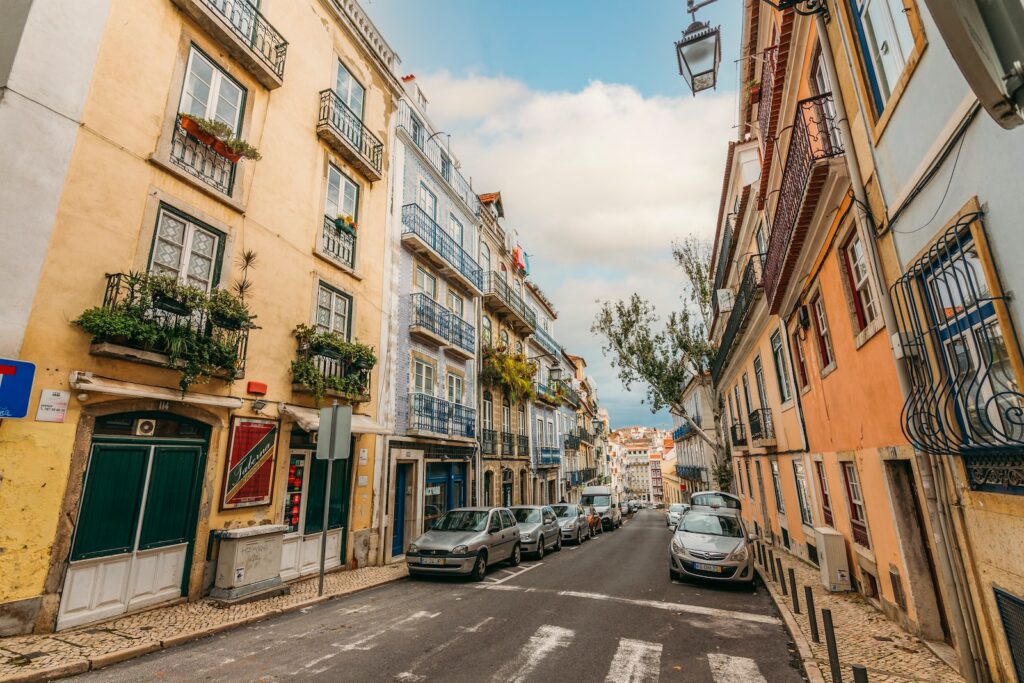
519,258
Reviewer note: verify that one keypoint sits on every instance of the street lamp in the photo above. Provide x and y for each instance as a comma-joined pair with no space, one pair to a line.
598,424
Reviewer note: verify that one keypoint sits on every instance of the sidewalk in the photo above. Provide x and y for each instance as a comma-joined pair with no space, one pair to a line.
863,634
55,655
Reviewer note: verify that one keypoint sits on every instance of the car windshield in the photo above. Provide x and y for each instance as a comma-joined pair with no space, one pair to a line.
714,525
715,500
526,515
462,520
676,507
599,501
564,510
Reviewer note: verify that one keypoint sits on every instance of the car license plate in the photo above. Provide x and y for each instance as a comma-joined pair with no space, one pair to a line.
432,560
707,567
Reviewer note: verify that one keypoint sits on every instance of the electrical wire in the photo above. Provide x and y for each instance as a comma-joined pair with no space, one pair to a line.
945,193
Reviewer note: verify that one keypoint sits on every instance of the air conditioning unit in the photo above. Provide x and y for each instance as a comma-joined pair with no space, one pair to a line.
835,571
144,427
725,300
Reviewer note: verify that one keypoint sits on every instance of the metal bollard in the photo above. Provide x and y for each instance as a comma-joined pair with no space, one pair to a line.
782,576
771,563
830,643
792,590
812,616
860,674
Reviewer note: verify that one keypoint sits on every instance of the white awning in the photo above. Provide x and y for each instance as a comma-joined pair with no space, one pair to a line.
86,381
309,420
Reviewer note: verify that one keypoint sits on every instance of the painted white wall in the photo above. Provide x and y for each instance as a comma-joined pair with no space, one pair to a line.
47,80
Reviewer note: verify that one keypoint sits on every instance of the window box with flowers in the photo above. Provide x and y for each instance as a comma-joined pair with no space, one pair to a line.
220,137
328,364
346,224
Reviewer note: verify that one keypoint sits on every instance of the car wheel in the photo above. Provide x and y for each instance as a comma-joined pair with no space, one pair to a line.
674,575
479,568
558,542
516,557
579,536
540,548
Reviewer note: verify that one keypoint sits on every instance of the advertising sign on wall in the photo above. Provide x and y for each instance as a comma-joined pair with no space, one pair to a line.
249,478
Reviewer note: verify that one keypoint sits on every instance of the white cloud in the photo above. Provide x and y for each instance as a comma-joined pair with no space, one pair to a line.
597,183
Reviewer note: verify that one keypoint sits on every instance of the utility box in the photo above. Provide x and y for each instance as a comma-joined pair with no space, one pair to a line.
835,570
249,561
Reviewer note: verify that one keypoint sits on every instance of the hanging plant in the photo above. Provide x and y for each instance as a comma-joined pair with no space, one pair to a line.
512,373
356,358
346,224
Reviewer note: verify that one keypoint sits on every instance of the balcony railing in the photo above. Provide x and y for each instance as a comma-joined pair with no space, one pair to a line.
814,137
358,144
260,47
417,222
431,316
462,335
691,472
572,442
723,259
508,440
488,442
761,427
199,160
437,416
497,288
577,477
338,244
739,434
547,456
685,430
128,295
438,157
523,446
764,108
547,341
749,291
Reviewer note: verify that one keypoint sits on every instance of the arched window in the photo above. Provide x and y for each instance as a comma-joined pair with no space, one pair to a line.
504,339
486,334
519,348
485,258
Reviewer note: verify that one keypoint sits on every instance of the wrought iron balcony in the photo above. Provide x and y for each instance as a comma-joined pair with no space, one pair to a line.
245,34
724,252
691,472
488,442
547,394
508,447
545,339
430,320
578,477
749,291
762,431
572,441
160,325
438,157
343,130
738,434
423,235
199,160
572,397
437,417
342,379
461,337
547,456
813,140
523,446
500,296
338,244
684,430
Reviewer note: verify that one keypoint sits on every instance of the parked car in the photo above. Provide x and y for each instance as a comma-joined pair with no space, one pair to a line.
716,500
624,508
675,511
711,544
604,501
594,521
465,541
573,522
538,529
634,505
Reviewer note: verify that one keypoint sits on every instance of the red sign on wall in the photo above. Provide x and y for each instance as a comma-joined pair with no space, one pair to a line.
249,478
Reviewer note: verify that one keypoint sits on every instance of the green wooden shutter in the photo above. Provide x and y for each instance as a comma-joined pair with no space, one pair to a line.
172,497
339,494
109,511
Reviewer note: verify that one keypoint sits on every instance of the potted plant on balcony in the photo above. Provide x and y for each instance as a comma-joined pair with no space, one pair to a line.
228,311
219,136
513,373
357,359
346,224
754,89
171,296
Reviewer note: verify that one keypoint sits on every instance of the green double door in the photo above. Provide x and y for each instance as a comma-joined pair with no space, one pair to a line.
136,527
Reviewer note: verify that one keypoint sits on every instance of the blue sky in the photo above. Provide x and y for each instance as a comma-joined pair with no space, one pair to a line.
575,110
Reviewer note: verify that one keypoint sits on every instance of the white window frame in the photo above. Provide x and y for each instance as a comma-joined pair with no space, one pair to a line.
335,294
346,202
854,494
781,372
456,304
896,46
216,85
345,85
427,196
823,333
456,229
186,252
456,388
860,277
421,278
418,384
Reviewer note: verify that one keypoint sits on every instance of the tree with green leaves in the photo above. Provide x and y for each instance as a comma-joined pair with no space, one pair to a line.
667,356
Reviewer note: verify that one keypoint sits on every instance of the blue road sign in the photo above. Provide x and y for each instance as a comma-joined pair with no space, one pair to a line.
15,387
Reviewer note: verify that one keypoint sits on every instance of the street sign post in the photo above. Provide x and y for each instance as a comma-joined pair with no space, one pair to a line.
336,425
15,387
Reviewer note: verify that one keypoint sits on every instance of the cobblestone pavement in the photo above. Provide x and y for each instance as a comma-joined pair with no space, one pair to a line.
44,657
863,634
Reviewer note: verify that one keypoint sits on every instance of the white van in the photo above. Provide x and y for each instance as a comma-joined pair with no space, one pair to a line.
605,502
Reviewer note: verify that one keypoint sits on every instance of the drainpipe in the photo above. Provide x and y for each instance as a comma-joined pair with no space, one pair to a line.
938,506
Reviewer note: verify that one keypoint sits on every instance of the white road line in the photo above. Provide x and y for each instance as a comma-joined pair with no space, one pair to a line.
635,661
656,604
541,644
514,575
728,669
361,643
474,629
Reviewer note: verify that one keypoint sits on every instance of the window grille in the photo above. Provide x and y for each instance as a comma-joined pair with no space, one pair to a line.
1011,610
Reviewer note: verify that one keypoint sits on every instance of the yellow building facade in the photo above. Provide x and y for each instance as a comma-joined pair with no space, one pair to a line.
151,206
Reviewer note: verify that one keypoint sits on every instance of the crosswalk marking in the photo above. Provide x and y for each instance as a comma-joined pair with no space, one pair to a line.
541,644
635,661
726,669
364,643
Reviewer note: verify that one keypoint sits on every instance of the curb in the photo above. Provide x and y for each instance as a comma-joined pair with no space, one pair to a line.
803,647
100,661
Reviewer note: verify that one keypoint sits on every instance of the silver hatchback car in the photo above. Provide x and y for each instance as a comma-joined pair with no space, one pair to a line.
465,541
538,529
711,544
573,522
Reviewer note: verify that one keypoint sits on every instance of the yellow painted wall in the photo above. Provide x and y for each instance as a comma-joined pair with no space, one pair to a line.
105,225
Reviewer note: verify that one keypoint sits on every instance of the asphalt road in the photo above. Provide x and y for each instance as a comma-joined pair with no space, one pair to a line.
604,611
